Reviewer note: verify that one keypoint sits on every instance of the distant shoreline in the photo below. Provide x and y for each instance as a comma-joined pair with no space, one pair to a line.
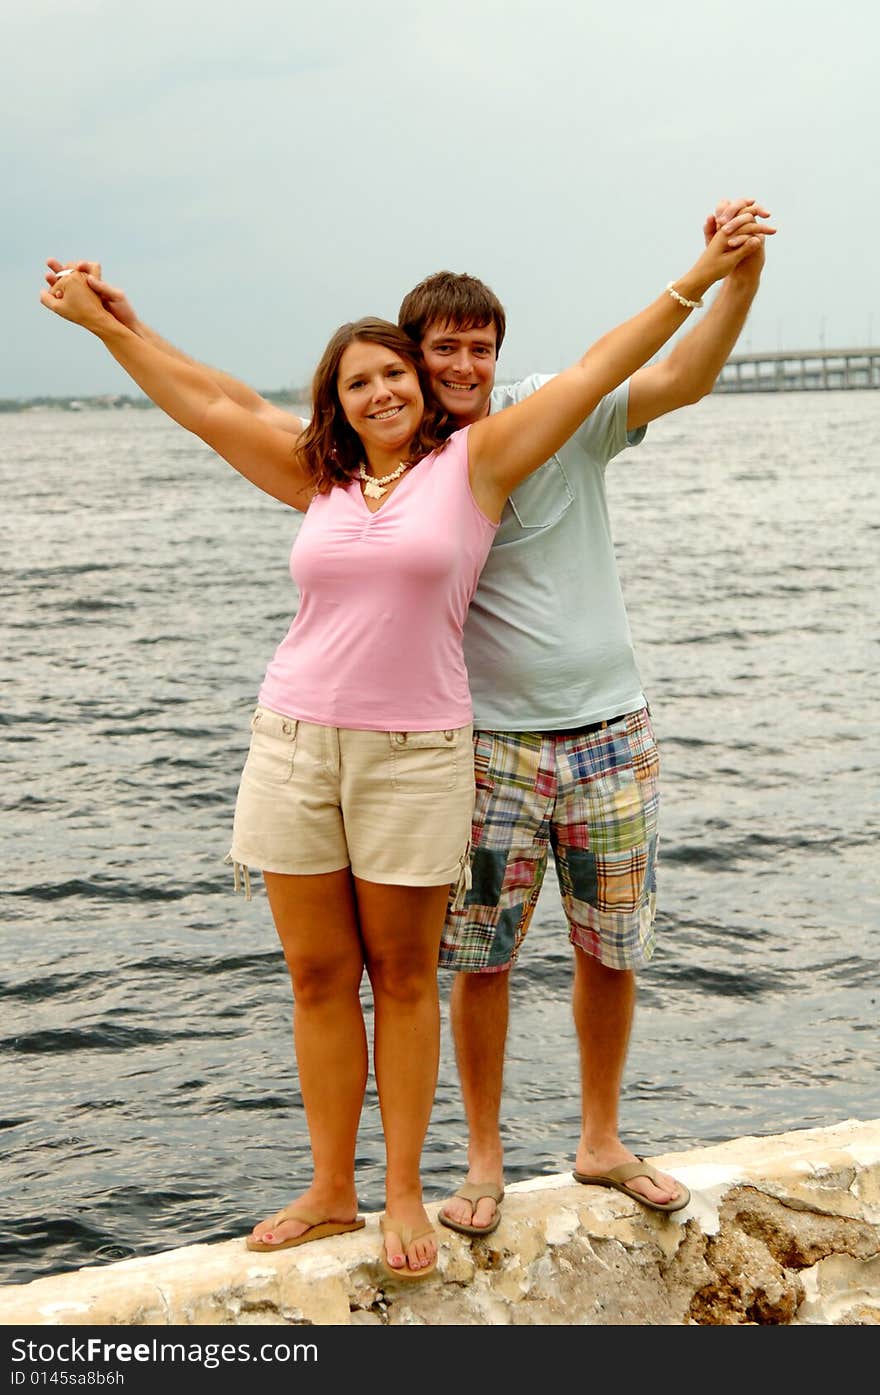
115,401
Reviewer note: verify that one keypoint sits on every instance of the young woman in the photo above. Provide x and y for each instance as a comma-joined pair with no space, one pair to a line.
356,797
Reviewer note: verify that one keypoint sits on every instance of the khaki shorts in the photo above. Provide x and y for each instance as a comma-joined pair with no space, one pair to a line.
395,806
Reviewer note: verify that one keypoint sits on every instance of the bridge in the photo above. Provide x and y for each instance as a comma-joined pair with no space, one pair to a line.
801,370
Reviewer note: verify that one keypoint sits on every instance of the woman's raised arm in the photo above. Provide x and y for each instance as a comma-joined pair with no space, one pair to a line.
188,394
506,447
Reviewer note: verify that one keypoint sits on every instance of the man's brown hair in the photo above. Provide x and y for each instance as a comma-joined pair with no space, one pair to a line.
454,299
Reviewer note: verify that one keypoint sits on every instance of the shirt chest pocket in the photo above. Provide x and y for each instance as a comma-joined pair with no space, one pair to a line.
543,497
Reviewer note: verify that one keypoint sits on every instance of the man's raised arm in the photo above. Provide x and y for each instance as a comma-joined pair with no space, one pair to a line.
690,369
117,303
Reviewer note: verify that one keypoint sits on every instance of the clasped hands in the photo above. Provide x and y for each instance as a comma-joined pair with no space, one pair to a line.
738,220
113,300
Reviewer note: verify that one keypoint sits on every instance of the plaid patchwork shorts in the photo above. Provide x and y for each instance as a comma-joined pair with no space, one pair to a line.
594,799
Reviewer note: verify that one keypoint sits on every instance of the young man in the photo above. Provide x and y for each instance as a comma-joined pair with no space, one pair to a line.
564,751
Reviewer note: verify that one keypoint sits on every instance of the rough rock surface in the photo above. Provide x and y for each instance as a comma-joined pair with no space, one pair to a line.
780,1230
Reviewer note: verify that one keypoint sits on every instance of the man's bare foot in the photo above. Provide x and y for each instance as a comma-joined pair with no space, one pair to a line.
482,1214
486,1165
327,1206
596,1161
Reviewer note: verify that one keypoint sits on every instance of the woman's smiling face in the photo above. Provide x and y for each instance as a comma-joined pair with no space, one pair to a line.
379,393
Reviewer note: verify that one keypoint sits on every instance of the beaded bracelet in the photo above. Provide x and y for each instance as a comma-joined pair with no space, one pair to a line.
682,300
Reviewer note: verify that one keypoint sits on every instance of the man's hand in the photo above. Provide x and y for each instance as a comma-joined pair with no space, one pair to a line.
734,217
738,220
113,300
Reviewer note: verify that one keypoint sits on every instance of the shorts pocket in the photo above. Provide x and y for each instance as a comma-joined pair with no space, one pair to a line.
425,761
273,748
542,498
644,755
484,748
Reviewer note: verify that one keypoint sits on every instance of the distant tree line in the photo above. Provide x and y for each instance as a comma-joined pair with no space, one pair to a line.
111,401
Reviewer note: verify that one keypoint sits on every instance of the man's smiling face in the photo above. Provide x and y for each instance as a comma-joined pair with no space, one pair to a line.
461,365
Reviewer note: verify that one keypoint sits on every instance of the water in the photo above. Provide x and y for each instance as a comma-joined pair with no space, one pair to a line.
148,1091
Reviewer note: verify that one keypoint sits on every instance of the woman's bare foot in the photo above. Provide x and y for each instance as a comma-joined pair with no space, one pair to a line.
410,1214
323,1205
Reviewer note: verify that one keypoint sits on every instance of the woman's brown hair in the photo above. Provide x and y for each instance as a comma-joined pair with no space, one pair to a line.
328,447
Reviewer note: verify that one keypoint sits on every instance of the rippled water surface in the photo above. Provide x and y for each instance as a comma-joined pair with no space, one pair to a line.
148,1091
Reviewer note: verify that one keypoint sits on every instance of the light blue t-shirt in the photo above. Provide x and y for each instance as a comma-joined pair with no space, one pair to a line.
547,641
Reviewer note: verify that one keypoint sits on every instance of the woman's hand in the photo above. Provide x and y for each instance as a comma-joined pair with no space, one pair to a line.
71,297
112,298
733,233
732,219
57,268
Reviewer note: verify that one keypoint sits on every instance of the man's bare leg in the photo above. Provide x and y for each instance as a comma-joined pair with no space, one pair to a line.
479,1010
603,1002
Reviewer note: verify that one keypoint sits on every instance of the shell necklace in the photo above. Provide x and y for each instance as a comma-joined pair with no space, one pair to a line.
374,487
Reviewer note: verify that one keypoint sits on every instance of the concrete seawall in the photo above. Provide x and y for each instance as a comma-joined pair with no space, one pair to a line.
780,1230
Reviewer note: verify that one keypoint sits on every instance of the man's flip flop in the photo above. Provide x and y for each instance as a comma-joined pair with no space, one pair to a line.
475,1192
317,1230
617,1177
407,1236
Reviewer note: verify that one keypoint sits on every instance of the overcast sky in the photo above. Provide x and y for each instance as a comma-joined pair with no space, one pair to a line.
255,173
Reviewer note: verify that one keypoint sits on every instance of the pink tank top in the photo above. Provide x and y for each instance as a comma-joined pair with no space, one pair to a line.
376,644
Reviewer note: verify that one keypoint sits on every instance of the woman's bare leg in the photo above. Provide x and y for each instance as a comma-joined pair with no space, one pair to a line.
317,923
401,928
